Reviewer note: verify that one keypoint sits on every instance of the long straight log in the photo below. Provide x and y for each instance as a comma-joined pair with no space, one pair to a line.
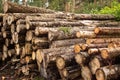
101,40
107,30
10,7
33,25
108,72
63,43
88,46
45,30
110,53
93,17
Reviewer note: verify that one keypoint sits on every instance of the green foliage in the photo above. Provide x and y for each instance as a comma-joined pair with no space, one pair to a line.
65,29
113,9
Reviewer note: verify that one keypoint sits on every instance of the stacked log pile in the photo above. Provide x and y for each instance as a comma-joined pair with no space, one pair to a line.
60,45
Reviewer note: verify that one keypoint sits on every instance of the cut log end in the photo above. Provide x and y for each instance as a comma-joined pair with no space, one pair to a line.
84,47
10,19
94,65
96,30
27,26
39,56
77,48
78,34
79,58
60,63
104,54
65,73
100,75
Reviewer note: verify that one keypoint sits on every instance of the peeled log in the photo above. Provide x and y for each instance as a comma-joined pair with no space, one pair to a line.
63,43
88,46
111,72
110,53
10,7
107,30
101,40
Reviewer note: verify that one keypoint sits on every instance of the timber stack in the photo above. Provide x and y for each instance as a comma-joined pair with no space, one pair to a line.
60,45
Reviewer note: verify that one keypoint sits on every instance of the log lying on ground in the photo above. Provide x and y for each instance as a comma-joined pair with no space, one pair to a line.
86,73
88,46
110,53
10,7
63,43
101,40
93,17
107,30
71,72
108,72
82,58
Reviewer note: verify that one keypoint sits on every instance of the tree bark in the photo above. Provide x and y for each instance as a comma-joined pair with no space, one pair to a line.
107,30
10,7
86,73
108,72
65,43
82,58
85,47
71,72
110,53
101,40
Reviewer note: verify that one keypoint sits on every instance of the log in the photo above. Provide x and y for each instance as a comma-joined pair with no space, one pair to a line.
63,33
101,40
94,51
28,48
86,73
5,52
6,34
18,38
21,28
10,7
64,60
33,25
108,72
82,58
114,44
96,63
20,21
11,52
71,72
63,43
12,28
85,47
77,48
93,17
29,35
110,53
107,30
85,34
36,40
50,55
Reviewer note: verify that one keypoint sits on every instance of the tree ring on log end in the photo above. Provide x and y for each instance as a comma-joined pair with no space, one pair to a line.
100,75
77,48
78,58
96,30
60,63
104,54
